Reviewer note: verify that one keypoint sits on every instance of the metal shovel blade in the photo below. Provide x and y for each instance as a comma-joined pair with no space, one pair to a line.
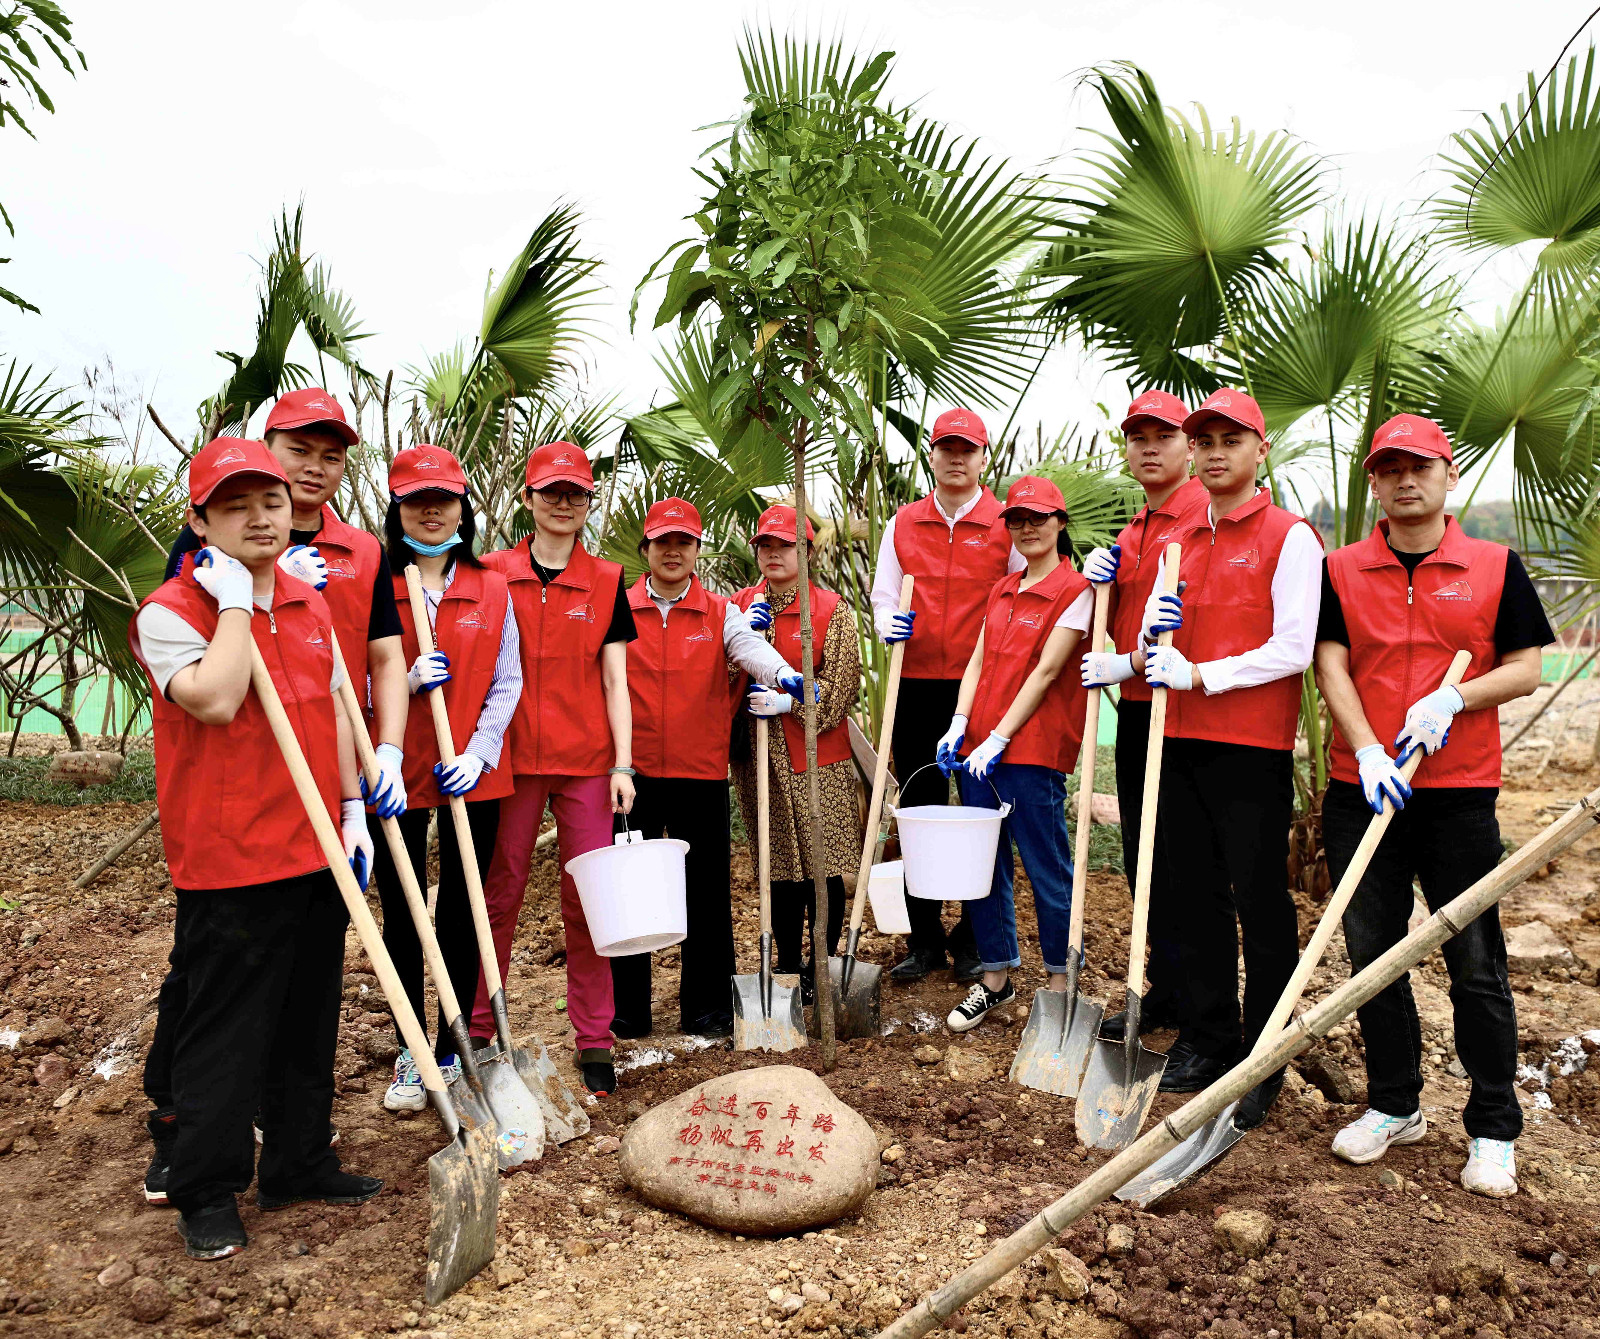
1178,1166
1115,1095
517,1113
564,1116
857,996
464,1197
777,1023
1061,1031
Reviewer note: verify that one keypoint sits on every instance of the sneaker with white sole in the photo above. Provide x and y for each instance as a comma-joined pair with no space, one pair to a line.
450,1068
975,1008
406,1093
1491,1168
1368,1139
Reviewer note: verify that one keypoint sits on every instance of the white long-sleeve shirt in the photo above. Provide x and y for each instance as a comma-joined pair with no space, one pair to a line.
888,574
505,689
741,643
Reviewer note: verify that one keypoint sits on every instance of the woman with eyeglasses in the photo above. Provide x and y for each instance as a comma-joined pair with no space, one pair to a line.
1023,701
572,736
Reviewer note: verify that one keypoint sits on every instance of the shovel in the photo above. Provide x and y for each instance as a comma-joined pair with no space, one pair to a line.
1062,1025
524,1089
1121,1079
513,1144
1213,1140
766,1016
858,986
463,1178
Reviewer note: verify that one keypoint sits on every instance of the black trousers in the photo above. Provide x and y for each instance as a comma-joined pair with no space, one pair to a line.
794,909
1164,972
263,967
452,915
696,811
920,721
1225,815
1447,839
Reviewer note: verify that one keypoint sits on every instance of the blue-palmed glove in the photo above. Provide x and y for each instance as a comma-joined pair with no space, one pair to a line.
428,671
1165,667
1427,724
793,683
764,701
357,840
759,615
946,752
226,580
388,795
1163,612
1381,779
981,761
461,775
305,562
900,627
1101,669
1100,566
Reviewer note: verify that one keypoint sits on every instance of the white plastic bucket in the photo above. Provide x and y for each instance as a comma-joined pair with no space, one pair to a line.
886,890
633,894
948,850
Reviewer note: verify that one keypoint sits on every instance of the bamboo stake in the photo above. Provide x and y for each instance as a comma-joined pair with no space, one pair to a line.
114,852
1550,701
1444,924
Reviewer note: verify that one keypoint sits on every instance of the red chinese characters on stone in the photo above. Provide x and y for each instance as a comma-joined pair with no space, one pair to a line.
792,1114
761,1108
823,1122
690,1134
785,1147
700,1106
752,1141
722,1135
815,1153
729,1106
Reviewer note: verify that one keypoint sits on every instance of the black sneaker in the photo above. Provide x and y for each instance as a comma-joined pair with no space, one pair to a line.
163,1127
1258,1101
214,1233
968,967
917,964
716,1024
975,1008
627,1029
1188,1071
335,1188
599,1074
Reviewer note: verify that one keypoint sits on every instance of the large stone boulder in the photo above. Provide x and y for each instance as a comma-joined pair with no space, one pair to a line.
92,767
762,1152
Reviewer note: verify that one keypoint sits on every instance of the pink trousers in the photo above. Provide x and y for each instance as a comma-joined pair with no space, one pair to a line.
582,808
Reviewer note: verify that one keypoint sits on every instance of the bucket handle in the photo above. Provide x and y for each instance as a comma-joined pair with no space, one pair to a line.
1002,806
627,837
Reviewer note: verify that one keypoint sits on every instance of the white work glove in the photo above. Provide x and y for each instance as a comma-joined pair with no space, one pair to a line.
226,580
1381,779
388,795
764,701
461,775
1101,669
1100,566
900,627
1163,612
429,671
1165,667
946,754
1427,724
305,562
759,615
980,762
793,683
357,840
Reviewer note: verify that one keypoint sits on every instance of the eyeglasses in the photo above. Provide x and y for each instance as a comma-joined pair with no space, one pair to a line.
1026,519
576,498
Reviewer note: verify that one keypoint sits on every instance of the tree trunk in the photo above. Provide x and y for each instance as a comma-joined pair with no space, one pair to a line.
67,663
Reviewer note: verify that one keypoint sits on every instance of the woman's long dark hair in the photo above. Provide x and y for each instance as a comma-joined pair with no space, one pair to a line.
400,553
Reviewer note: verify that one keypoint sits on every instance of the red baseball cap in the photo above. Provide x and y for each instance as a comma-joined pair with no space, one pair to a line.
1036,494
560,463
1235,406
313,405
1413,434
779,522
1157,405
222,458
426,467
673,516
960,423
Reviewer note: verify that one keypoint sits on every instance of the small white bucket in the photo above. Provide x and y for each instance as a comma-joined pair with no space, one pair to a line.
633,894
948,849
886,890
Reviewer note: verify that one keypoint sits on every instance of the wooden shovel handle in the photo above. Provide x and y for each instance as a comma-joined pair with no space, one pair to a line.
333,851
1340,898
880,772
763,826
1091,733
458,806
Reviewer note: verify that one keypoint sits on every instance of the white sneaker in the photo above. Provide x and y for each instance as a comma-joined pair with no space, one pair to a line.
1491,1168
450,1067
1368,1139
406,1093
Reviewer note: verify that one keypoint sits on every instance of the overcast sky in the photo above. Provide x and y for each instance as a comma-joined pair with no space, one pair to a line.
426,139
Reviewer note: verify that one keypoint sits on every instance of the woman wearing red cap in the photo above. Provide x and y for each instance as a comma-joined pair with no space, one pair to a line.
477,665
571,737
1022,698
773,607
683,710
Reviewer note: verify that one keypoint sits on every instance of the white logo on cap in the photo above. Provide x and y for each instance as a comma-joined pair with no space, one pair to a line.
959,421
426,463
1148,404
673,511
1222,400
1403,430
562,460
232,456
316,404
1025,491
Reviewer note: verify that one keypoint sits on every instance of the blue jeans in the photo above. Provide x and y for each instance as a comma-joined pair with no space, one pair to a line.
1037,824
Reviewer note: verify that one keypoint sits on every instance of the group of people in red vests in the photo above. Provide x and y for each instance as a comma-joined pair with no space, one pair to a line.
570,689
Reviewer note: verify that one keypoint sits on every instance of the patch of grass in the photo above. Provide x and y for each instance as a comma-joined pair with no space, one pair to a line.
22,781
1105,840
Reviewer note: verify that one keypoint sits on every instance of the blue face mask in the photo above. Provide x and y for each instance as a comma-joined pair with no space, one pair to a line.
433,550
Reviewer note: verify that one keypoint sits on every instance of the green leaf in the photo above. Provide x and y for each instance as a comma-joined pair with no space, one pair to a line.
762,256
827,335
799,397
681,283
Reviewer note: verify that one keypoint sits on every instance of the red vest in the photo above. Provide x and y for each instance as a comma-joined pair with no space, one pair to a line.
1016,625
1227,609
230,815
560,728
832,745
1403,635
352,556
1143,541
683,702
955,570
467,628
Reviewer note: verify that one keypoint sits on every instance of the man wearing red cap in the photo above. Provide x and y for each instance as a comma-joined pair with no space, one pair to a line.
1158,454
1396,607
955,545
260,925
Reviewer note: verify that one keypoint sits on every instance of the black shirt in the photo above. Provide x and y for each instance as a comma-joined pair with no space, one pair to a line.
622,629
1519,623
383,621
